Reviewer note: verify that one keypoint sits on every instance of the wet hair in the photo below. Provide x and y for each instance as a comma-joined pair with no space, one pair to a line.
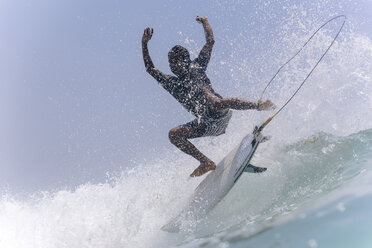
179,53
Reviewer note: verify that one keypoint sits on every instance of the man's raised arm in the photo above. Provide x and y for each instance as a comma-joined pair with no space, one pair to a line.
150,68
147,34
206,52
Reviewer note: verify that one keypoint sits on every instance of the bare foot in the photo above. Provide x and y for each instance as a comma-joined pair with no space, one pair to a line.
267,105
203,168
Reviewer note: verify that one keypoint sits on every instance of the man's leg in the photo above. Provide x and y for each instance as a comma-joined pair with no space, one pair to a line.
235,103
179,137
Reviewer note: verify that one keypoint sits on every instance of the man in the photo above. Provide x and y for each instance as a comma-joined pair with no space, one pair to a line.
193,90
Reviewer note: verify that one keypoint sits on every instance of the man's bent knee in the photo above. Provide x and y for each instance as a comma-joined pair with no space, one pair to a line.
178,134
173,135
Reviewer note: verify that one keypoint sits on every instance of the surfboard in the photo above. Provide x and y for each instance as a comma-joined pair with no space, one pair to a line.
219,182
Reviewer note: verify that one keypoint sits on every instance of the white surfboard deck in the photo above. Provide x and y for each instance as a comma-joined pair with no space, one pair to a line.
218,182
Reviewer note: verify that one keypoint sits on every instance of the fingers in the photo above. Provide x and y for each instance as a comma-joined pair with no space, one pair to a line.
272,105
148,31
269,105
200,19
147,34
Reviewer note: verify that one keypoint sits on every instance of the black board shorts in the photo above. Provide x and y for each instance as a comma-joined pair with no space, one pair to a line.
210,124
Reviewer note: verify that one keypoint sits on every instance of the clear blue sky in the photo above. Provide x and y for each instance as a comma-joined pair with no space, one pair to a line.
75,100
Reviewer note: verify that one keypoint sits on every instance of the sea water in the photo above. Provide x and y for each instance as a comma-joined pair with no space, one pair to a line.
317,191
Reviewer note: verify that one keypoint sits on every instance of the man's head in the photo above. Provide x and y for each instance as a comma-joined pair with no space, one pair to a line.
179,60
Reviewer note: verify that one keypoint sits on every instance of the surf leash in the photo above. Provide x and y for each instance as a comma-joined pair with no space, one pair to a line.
308,75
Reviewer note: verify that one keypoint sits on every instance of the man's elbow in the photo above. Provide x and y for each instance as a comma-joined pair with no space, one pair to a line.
210,41
150,70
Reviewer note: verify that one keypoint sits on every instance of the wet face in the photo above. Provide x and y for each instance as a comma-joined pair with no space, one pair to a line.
179,60
179,66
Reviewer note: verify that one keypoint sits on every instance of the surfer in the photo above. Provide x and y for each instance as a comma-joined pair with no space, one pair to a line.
193,90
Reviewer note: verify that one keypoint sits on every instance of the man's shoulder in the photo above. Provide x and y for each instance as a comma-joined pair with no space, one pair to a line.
197,71
195,65
172,79
170,82
166,78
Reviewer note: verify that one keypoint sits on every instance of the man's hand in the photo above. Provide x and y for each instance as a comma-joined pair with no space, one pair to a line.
147,34
207,49
201,19
266,105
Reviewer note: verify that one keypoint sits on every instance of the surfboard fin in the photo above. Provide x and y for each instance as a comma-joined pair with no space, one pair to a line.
265,138
254,169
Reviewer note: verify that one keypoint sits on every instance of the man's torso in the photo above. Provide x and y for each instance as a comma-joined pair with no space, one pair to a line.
189,89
